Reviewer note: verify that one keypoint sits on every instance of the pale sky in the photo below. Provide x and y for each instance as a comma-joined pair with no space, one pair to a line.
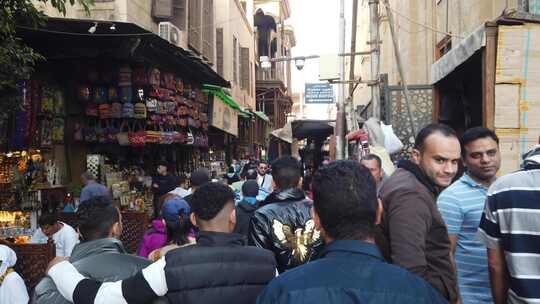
316,28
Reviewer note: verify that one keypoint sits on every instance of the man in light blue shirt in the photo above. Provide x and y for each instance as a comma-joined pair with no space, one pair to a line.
461,206
92,188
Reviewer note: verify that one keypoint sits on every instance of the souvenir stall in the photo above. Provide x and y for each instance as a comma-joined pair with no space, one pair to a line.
98,102
130,121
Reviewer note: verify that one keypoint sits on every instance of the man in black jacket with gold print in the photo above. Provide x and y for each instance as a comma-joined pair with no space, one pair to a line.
284,224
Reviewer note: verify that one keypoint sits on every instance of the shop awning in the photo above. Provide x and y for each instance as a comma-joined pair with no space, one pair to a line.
261,115
284,133
64,39
458,54
309,128
220,93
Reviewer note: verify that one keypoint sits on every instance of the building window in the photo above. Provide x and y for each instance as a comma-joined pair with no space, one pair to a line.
179,14
244,68
195,37
219,51
250,83
208,30
235,60
531,6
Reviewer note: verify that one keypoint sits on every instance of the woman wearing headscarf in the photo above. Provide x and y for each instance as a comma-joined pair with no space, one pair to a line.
12,287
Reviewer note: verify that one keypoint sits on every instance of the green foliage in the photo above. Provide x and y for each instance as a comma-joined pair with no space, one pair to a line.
17,60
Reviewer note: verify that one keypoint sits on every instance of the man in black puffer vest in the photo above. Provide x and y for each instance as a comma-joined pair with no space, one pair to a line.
284,224
218,269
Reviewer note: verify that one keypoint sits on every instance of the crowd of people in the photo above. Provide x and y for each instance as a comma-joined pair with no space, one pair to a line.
424,234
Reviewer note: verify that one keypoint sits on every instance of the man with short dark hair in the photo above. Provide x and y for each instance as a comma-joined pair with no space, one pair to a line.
415,235
198,178
264,179
63,235
461,207
374,164
100,255
284,217
218,269
246,207
162,183
351,269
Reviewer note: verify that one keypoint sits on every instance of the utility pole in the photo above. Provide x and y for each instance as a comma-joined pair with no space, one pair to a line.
340,119
375,56
352,122
400,66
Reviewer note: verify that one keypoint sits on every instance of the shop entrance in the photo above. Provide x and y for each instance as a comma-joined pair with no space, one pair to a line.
459,96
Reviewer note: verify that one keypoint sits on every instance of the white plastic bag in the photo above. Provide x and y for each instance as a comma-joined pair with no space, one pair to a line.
392,144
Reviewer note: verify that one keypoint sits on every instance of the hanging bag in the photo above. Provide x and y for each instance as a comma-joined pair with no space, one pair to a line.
392,143
123,134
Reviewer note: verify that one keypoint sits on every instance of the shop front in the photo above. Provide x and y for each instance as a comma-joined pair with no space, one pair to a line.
113,105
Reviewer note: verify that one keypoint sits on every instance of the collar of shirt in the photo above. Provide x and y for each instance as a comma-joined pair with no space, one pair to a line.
353,246
466,179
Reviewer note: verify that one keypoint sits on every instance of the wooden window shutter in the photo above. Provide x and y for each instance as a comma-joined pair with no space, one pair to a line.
162,9
179,14
208,30
195,25
235,60
250,83
219,51
244,68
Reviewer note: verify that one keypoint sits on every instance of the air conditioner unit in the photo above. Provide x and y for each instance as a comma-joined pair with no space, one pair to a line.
170,32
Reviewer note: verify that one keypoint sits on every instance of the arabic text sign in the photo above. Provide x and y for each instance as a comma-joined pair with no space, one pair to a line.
319,93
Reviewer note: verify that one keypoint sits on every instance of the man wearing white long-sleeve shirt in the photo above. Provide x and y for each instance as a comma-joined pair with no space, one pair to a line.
64,236
218,269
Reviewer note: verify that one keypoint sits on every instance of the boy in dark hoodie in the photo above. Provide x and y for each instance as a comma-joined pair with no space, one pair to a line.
246,207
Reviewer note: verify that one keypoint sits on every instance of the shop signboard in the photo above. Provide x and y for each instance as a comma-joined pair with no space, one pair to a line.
319,93
224,117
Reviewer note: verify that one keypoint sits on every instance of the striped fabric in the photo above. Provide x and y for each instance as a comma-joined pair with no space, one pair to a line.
511,221
461,207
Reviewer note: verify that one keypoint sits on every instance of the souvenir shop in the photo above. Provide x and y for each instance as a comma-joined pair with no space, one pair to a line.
114,106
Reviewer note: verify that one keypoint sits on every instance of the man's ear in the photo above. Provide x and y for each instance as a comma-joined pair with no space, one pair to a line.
416,156
116,230
232,217
379,213
193,219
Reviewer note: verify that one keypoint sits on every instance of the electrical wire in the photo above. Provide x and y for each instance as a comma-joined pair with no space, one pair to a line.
421,24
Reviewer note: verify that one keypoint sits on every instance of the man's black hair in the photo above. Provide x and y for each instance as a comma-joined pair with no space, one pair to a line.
286,172
421,137
96,217
475,133
345,198
210,199
181,179
47,219
373,157
251,174
162,163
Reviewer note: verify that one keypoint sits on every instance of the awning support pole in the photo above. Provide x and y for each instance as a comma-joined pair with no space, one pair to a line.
400,66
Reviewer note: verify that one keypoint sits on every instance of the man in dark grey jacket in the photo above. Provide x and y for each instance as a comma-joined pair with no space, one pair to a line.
100,255
415,235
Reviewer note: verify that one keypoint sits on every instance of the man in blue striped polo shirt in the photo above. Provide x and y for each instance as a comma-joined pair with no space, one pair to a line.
510,228
461,207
